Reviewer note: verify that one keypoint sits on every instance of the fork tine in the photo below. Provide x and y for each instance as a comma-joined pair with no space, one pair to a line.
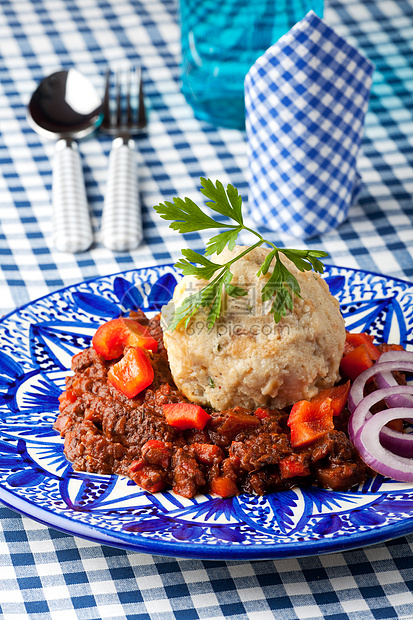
106,98
123,101
129,109
118,98
141,103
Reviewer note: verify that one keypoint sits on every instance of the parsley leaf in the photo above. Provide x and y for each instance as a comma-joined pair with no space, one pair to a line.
218,243
226,202
281,286
187,214
205,271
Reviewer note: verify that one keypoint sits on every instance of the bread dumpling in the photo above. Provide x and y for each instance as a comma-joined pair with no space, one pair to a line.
247,359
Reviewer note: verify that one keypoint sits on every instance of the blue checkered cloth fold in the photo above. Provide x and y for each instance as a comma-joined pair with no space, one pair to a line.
305,100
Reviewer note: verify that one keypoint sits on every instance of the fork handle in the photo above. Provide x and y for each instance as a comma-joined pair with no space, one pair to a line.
71,225
121,227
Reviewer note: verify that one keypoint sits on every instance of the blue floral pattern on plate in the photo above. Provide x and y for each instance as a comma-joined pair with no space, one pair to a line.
38,342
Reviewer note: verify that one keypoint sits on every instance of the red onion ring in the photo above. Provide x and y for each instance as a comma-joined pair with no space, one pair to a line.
356,394
375,455
385,380
398,443
395,356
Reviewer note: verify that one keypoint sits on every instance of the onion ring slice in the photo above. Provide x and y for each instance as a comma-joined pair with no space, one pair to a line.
387,379
395,356
356,394
398,443
375,455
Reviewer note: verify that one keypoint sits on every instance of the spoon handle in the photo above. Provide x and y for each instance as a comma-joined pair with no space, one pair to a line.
71,224
121,228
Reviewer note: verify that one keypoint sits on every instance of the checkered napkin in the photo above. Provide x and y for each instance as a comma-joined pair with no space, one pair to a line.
305,101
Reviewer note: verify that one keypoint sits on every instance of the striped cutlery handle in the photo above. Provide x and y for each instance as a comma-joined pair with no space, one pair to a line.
121,228
71,224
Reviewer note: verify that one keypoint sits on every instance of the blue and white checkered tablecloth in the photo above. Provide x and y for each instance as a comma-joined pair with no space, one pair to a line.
45,573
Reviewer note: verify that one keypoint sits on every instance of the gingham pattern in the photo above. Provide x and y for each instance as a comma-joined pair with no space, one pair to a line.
305,101
46,574
49,573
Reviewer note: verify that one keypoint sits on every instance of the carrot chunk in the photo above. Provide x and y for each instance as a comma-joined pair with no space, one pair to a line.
337,394
185,415
261,413
133,373
207,453
354,340
355,362
146,476
291,466
113,337
309,421
225,487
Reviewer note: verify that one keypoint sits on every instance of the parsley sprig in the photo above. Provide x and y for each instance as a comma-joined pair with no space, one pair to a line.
187,216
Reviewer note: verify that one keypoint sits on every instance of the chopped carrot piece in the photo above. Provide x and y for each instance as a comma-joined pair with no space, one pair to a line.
133,373
113,337
337,394
309,421
225,487
185,415
355,362
262,413
354,340
292,466
66,398
146,476
157,452
207,453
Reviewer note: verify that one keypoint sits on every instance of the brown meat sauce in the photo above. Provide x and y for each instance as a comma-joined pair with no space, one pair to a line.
105,432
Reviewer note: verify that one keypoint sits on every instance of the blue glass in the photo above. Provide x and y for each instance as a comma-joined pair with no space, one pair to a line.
221,39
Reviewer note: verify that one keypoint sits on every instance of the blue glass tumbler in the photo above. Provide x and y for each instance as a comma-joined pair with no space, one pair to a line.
220,41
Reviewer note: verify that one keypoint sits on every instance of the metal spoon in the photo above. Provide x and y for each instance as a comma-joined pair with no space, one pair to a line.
66,106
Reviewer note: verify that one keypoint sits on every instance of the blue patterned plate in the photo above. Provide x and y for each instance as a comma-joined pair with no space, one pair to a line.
37,343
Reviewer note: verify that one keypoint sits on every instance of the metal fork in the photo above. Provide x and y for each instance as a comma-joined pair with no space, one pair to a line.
121,227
